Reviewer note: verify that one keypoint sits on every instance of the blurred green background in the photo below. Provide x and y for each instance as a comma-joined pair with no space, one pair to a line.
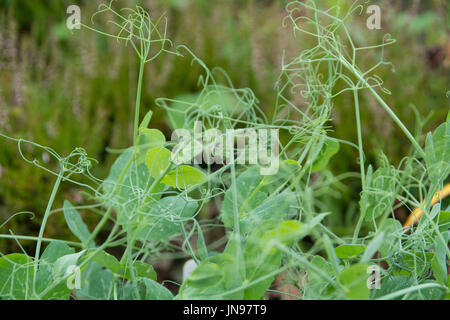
64,89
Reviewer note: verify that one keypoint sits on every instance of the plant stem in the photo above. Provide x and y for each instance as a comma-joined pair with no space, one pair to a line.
386,107
138,100
360,144
357,228
361,159
44,222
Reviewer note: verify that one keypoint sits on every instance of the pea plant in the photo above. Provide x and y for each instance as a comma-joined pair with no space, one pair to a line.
153,206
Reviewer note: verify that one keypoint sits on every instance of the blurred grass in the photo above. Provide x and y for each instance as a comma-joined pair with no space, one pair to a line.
64,89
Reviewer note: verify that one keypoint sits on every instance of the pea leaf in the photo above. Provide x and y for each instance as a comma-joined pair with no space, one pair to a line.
45,278
156,291
144,270
16,276
437,153
348,251
201,245
212,97
108,261
378,193
63,263
393,230
443,221
128,196
393,284
262,256
157,161
213,277
75,223
55,250
354,280
148,139
183,177
162,219
318,273
205,275
99,285
146,120
254,206
439,261
328,148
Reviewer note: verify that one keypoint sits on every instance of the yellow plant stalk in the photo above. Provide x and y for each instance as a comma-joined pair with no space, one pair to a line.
417,212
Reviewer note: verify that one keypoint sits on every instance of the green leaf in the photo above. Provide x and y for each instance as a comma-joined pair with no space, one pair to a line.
288,170
55,250
127,197
146,120
437,153
286,233
63,263
439,261
234,266
262,256
412,262
157,161
392,284
108,261
319,272
163,218
100,285
45,278
16,276
183,177
331,253
328,148
378,193
156,291
428,293
206,275
393,231
141,269
75,223
220,275
201,245
354,280
438,271
254,206
443,221
144,270
348,251
148,139
212,98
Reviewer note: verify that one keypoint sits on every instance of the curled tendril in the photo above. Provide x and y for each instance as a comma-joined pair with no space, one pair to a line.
18,214
136,28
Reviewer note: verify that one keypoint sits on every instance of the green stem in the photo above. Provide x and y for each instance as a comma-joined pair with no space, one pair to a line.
386,107
357,228
360,144
138,100
125,169
44,222
361,159
13,236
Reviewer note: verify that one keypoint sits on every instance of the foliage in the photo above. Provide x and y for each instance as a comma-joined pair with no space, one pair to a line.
150,204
